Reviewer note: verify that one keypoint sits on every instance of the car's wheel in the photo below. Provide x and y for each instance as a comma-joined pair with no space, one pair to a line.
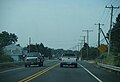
25,65
39,64
75,65
42,64
29,65
61,65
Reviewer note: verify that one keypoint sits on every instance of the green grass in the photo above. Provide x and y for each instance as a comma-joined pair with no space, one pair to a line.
112,59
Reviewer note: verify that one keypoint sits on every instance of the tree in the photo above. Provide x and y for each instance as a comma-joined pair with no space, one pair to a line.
115,36
13,38
40,48
93,52
1,51
84,51
7,38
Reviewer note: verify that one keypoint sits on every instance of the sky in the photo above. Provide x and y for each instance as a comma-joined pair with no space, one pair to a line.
55,23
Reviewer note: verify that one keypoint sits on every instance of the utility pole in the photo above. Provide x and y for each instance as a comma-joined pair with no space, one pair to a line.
87,39
99,31
112,7
78,47
81,47
29,43
83,38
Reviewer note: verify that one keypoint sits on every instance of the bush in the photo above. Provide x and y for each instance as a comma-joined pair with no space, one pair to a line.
6,58
117,60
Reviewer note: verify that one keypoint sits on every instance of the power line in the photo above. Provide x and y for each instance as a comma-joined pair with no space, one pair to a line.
102,15
114,1
102,40
109,2
106,16
83,38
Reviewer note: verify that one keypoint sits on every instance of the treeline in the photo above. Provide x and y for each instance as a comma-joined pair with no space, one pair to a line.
88,52
114,57
48,52
115,41
115,36
40,48
7,38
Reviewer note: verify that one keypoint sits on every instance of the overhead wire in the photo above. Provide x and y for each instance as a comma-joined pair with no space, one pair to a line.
105,17
114,1
109,2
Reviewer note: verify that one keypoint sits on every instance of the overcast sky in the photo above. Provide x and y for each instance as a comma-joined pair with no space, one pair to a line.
55,23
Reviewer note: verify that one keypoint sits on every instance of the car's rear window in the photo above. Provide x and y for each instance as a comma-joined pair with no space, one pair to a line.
33,55
70,55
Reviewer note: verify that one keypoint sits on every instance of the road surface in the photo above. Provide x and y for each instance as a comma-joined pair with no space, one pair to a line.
51,72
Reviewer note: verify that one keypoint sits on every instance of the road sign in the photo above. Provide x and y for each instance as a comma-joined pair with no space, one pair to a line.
102,48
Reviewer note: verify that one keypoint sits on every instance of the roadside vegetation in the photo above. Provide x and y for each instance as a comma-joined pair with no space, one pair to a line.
114,57
5,58
5,40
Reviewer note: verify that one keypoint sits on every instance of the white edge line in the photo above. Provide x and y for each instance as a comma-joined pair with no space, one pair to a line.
90,73
11,70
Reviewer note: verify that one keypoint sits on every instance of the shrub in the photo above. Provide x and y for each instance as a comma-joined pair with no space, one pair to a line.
5,58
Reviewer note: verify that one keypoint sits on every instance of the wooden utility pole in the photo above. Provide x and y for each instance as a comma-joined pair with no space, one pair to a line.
83,39
29,43
112,7
99,31
87,39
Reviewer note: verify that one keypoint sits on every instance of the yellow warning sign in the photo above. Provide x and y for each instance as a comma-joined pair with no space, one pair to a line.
102,48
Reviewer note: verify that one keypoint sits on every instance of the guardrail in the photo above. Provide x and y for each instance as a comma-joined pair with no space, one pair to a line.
114,68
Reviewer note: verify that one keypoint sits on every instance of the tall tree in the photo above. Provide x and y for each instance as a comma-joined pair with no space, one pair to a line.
115,36
7,38
84,51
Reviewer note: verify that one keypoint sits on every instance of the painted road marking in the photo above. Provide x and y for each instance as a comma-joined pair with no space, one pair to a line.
91,73
38,73
11,70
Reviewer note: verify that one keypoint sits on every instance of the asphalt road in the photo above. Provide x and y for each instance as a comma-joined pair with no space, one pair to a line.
51,72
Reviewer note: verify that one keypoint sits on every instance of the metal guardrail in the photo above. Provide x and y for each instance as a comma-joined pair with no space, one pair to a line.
109,67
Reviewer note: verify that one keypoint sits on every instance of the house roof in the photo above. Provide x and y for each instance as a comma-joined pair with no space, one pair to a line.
13,47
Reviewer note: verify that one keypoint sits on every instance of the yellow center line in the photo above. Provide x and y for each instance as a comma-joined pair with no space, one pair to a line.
38,73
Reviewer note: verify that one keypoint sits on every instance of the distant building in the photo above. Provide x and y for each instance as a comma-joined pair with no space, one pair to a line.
15,51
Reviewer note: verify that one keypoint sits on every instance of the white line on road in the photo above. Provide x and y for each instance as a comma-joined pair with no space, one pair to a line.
11,70
91,73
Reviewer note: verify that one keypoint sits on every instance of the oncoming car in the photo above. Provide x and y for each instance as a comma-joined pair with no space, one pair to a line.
68,59
34,58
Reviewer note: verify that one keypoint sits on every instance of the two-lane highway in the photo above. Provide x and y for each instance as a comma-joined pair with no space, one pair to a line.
18,74
51,72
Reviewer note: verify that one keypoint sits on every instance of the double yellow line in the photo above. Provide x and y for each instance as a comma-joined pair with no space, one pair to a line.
38,74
